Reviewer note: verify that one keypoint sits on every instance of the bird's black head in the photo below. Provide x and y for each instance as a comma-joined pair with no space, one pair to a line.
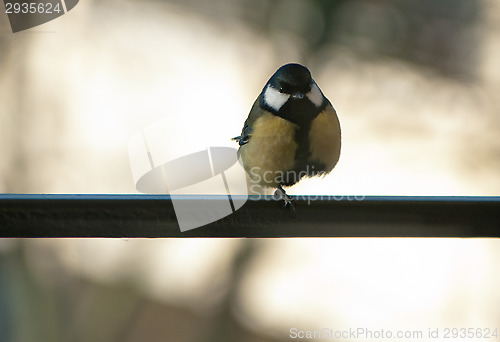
292,79
291,93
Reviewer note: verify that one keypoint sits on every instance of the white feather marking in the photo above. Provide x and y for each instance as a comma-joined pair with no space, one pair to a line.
315,95
274,98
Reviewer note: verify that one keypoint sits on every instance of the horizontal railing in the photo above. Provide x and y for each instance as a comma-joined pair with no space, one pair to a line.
152,216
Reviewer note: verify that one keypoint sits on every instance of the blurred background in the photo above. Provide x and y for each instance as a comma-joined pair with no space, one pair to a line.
416,88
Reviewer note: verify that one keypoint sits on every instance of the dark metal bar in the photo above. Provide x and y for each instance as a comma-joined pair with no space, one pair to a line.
152,216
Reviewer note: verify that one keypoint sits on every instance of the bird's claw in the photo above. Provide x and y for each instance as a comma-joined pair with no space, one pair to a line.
281,194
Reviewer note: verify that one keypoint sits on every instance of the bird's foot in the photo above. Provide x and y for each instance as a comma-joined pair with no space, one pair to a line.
281,194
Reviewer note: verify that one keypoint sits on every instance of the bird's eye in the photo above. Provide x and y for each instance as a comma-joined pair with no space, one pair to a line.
281,89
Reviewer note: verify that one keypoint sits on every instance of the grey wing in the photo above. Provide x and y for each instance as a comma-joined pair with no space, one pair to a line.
245,134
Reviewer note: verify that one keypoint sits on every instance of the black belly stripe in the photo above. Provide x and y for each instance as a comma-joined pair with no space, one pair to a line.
301,112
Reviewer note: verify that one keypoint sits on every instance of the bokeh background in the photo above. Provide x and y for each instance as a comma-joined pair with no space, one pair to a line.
415,84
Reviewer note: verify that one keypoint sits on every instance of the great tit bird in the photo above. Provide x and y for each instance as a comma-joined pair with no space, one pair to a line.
292,132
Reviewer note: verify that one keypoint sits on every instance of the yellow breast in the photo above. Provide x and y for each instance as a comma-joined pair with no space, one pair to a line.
271,151
325,139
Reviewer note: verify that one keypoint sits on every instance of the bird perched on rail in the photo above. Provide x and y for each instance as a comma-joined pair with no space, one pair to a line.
292,132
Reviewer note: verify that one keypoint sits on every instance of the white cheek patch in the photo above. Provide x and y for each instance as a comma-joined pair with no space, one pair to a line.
315,95
274,99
